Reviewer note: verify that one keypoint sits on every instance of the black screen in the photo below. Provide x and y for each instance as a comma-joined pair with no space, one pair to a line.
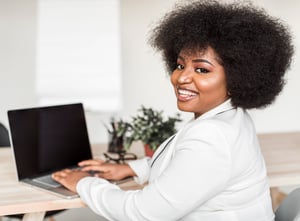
46,139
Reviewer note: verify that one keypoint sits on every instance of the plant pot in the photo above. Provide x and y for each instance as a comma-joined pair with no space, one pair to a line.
148,151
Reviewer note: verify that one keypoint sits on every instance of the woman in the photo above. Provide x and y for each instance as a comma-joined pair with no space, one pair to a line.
223,59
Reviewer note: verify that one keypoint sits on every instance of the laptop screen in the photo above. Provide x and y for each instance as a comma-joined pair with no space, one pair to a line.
46,139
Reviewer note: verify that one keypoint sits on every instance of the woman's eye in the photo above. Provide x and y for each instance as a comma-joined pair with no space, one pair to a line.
201,70
179,67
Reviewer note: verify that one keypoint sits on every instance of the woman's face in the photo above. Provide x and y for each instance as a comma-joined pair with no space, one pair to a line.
199,81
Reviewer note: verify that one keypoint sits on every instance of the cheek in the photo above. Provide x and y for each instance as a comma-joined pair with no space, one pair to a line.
173,78
212,84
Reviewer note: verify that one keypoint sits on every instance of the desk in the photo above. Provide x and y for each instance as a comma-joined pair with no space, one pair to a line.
17,198
281,152
282,156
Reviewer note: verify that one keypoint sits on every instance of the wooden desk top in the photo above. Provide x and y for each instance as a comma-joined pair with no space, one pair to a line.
282,156
16,198
19,198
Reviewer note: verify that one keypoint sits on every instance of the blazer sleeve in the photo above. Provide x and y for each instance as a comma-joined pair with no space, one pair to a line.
141,168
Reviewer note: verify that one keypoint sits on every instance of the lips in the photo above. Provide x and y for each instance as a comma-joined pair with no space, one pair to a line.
185,94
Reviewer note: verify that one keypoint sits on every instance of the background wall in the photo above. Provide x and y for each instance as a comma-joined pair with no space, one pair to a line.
144,78
17,54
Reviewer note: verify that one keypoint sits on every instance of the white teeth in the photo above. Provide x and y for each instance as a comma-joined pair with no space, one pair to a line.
186,92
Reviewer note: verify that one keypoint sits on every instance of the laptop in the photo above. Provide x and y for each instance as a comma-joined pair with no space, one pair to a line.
48,139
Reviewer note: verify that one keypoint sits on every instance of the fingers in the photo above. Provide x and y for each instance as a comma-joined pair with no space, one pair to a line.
96,165
94,168
69,178
58,176
61,174
100,169
91,162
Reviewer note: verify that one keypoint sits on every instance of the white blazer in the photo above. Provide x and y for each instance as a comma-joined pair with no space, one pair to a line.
211,170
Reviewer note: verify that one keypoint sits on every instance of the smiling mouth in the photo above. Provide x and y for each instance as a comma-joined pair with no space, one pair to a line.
184,95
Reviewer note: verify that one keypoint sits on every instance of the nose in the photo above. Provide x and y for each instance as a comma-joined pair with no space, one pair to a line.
185,77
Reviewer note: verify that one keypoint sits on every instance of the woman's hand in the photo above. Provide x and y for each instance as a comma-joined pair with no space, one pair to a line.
110,171
69,178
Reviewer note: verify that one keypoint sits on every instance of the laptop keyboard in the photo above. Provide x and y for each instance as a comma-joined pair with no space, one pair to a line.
47,180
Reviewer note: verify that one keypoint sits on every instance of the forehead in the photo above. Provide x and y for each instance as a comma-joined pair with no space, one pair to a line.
197,52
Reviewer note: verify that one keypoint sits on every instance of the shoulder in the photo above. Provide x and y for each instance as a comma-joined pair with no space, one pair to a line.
223,127
204,134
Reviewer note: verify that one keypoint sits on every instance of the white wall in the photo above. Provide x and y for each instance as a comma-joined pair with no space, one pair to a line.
144,78
17,54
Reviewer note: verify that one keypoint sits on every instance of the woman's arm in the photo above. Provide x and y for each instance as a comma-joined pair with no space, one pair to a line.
198,171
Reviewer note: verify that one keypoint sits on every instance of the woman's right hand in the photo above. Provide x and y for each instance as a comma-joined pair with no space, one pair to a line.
110,171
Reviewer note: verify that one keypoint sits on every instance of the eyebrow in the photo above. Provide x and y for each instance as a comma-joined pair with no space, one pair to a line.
198,60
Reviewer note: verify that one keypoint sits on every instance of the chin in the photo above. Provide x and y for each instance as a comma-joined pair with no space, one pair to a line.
184,108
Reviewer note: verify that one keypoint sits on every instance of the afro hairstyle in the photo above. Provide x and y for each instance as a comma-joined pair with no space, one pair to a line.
254,48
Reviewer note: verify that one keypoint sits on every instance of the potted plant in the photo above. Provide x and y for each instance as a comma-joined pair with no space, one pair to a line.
151,128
